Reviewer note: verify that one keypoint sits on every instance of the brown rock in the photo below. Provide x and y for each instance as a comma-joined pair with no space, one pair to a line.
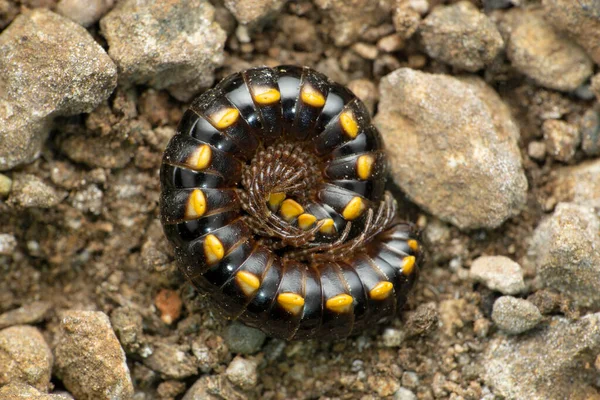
561,139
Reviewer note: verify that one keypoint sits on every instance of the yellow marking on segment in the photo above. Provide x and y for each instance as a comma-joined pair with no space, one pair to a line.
381,291
275,200
354,208
248,282
200,158
266,96
312,96
364,166
328,227
349,124
290,209
196,205
408,265
225,118
291,302
340,304
213,249
413,244
305,221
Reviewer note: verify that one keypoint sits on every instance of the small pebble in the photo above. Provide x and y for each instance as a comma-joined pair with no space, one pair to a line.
393,337
30,191
30,313
89,358
366,91
404,394
498,273
25,357
21,391
5,185
242,373
128,325
169,303
84,12
481,327
410,379
561,139
242,339
390,43
8,244
515,316
171,360
170,389
537,150
590,132
406,20
366,51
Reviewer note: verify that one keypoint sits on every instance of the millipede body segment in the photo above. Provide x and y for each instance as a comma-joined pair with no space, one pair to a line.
273,196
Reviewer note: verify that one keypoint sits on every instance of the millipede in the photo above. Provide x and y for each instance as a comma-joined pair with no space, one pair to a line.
273,196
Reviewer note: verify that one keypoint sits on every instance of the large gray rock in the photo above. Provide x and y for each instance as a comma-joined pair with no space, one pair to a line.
538,51
173,45
566,251
25,357
453,147
580,19
547,364
462,36
52,67
89,358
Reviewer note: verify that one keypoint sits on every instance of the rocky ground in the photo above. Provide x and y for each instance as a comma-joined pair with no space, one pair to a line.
490,114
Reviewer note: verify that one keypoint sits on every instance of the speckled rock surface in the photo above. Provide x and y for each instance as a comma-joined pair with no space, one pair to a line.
515,316
456,175
547,365
566,250
250,12
84,12
562,139
174,45
462,36
30,191
538,51
31,313
579,184
579,19
25,357
498,273
89,358
20,391
58,70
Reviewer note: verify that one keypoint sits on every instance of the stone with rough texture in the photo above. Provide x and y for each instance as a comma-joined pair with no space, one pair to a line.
30,191
452,147
89,358
242,339
578,184
580,19
242,373
27,314
8,244
562,139
351,18
84,12
53,67
20,391
460,35
498,273
5,185
25,357
566,251
590,132
548,363
515,316
173,45
250,12
535,49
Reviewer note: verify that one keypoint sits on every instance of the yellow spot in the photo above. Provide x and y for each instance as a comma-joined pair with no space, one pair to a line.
340,304
364,166
266,96
408,265
275,200
381,291
291,302
312,97
200,158
196,206
305,221
225,118
354,208
349,124
248,282
413,244
290,209
213,249
328,227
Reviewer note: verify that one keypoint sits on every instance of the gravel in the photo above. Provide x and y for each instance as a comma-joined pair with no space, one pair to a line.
167,45
462,36
477,152
58,70
25,357
89,359
535,49
566,251
498,273
515,316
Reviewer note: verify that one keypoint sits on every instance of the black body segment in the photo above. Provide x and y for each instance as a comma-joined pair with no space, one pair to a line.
308,247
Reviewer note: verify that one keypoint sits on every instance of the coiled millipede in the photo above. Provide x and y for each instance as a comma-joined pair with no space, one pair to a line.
273,196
